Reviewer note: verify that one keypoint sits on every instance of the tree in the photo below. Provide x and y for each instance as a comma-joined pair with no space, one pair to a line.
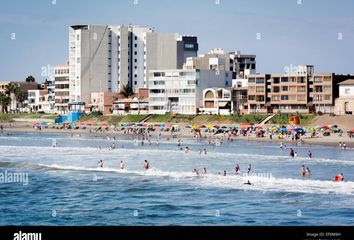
30,79
126,91
4,102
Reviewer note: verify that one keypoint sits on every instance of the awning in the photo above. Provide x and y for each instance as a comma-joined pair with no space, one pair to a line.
223,104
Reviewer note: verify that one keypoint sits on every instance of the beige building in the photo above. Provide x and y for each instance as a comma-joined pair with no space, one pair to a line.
345,103
61,90
217,101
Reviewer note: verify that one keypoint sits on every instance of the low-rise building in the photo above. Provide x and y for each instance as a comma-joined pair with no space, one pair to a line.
133,105
37,100
217,101
344,104
180,90
102,102
258,93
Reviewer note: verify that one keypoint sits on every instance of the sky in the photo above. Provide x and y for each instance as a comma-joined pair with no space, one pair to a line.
282,33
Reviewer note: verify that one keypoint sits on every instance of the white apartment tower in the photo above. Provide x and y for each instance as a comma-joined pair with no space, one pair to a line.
104,58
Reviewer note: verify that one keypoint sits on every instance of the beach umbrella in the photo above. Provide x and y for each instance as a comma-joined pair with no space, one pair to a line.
50,123
36,123
216,126
139,125
103,124
43,123
88,124
202,126
223,127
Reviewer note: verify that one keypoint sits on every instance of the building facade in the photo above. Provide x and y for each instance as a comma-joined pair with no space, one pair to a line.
180,90
217,101
61,88
344,104
104,58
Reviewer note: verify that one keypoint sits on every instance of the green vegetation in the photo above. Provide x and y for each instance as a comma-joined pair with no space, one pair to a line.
283,118
197,119
133,118
6,117
160,118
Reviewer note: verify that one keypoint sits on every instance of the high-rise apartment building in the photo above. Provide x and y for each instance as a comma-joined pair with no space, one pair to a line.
61,90
104,58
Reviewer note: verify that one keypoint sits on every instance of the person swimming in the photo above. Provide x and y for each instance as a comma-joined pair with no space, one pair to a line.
248,182
100,162
122,165
146,165
302,170
196,171
339,178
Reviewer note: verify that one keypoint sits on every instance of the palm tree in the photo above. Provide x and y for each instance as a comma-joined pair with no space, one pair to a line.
126,91
30,79
4,102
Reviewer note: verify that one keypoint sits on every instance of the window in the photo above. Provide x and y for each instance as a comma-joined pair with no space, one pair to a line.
189,45
285,88
135,45
135,60
135,53
136,38
284,97
284,79
78,37
259,80
251,80
135,82
159,74
135,75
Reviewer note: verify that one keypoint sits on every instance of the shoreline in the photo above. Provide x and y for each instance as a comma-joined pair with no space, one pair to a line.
328,141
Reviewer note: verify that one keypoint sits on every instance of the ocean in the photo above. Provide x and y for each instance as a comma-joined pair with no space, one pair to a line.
65,185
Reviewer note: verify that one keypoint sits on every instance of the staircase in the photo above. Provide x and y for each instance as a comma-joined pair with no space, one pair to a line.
146,118
264,121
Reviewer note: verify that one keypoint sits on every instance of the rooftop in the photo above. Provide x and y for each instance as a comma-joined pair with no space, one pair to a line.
347,82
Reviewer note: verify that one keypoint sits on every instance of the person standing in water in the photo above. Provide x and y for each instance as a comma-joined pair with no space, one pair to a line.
224,174
122,165
303,170
249,169
196,171
146,165
308,171
292,152
100,162
237,169
204,171
309,154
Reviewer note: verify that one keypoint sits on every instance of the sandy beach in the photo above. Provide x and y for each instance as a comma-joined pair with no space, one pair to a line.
332,140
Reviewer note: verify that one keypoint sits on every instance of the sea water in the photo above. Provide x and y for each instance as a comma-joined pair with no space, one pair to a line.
66,186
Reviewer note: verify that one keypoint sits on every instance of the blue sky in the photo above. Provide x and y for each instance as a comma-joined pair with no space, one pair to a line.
291,33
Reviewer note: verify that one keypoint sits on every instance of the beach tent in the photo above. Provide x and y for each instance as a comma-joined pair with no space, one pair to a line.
216,126
202,126
187,126
162,125
43,123
104,124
